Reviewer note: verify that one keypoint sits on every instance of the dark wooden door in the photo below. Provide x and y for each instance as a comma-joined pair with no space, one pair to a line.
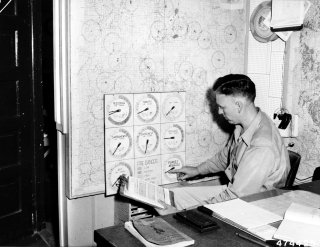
21,134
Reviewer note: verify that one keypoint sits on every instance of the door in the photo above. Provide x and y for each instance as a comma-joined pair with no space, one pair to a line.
21,134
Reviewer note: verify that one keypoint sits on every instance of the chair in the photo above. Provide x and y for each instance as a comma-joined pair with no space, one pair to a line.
294,162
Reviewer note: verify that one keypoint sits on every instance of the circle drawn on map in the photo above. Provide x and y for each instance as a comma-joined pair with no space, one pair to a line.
174,160
191,124
120,143
185,70
132,5
158,30
199,76
147,140
179,27
150,84
96,109
218,59
147,108
116,171
104,83
166,8
173,106
117,61
220,137
103,7
204,40
173,137
122,85
94,137
204,138
147,67
194,29
230,34
259,30
119,110
112,43
91,30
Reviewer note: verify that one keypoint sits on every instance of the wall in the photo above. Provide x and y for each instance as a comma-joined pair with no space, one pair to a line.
305,81
87,214
142,46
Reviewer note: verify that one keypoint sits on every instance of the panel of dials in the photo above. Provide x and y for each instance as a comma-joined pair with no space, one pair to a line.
144,136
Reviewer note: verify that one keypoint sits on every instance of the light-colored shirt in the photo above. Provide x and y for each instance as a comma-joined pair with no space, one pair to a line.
255,161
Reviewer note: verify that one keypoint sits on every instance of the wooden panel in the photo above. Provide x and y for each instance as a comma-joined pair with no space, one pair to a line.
9,230
10,194
7,48
21,136
9,147
8,99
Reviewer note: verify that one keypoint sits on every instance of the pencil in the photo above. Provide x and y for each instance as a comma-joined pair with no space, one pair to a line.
252,240
170,169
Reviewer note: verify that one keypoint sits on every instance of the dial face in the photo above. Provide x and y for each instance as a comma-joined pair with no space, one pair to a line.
175,161
116,171
147,140
119,110
120,143
173,106
173,137
147,108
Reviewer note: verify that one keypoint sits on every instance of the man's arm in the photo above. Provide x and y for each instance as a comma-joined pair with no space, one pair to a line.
217,163
253,171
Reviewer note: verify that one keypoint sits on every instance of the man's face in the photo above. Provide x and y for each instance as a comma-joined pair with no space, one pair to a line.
228,108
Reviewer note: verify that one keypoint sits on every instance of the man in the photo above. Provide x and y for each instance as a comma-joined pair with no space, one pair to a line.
255,158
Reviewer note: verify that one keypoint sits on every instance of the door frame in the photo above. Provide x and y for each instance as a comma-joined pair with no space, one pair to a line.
39,169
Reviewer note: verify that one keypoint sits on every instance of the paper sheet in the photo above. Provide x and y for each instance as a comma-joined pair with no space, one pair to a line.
287,13
294,231
279,204
264,232
244,214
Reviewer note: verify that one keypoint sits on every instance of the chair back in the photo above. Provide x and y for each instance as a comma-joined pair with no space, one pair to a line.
294,162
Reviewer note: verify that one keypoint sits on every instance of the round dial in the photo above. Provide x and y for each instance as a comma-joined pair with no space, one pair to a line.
147,108
147,140
175,161
173,137
120,143
116,171
173,106
119,110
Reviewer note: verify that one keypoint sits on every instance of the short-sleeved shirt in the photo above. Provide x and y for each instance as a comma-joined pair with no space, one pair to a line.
255,161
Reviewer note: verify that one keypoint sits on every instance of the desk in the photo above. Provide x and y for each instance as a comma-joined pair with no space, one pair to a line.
225,236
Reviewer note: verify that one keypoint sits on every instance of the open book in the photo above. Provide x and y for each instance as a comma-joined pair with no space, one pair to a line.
287,15
142,191
155,231
301,224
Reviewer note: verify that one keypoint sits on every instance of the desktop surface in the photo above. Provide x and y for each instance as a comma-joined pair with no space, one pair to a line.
225,236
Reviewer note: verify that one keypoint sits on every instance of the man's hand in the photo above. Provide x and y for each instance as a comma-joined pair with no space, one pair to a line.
167,209
186,172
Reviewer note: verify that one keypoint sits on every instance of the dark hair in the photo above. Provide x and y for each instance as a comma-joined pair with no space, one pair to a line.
235,85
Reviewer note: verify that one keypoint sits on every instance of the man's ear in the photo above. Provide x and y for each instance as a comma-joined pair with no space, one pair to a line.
239,105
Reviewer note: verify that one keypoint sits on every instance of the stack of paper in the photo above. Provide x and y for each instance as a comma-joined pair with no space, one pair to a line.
287,15
243,214
247,217
281,8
